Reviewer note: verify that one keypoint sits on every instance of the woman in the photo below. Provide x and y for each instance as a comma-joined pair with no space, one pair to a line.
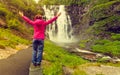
39,26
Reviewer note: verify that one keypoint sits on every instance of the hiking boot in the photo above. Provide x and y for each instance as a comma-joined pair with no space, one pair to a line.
34,67
34,64
39,64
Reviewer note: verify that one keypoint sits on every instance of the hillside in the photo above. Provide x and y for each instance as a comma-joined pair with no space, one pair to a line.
15,34
11,24
103,26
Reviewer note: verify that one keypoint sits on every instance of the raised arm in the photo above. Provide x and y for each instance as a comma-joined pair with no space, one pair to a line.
26,18
53,19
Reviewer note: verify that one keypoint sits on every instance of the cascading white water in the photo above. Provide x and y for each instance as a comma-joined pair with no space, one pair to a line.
36,1
61,30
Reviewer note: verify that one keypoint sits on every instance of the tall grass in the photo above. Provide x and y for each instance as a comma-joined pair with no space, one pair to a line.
9,39
57,58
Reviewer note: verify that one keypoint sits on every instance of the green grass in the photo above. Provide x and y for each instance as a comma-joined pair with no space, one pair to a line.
112,64
7,39
58,57
99,11
3,11
104,25
79,72
108,46
64,2
104,18
82,43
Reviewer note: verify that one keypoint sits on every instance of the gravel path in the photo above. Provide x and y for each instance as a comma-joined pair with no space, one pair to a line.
5,53
102,70
17,64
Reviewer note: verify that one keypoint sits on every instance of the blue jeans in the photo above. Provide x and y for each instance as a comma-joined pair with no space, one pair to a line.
38,45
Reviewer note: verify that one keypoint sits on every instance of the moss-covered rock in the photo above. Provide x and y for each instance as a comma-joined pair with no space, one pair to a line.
102,22
105,17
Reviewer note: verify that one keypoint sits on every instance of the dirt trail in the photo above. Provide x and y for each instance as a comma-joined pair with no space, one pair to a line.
17,64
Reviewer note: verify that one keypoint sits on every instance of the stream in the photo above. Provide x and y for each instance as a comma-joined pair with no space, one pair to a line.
93,58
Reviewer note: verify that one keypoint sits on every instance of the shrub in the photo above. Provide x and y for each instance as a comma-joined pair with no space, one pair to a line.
3,11
14,24
10,39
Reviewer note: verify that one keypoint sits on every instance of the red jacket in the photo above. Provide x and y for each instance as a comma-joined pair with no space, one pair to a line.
39,26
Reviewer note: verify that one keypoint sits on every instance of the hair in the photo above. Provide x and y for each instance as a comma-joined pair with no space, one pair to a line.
38,16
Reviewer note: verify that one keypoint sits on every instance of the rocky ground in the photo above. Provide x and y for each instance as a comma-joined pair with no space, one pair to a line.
102,70
5,53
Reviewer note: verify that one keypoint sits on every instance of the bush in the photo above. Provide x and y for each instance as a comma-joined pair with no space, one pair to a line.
10,39
14,24
3,11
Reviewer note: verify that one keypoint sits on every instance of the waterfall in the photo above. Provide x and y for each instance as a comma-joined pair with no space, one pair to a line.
61,30
36,1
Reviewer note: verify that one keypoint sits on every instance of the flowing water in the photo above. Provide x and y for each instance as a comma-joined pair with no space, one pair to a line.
61,30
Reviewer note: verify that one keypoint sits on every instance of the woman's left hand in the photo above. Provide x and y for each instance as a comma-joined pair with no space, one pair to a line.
58,14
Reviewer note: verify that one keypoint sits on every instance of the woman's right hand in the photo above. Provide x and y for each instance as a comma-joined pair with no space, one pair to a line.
21,13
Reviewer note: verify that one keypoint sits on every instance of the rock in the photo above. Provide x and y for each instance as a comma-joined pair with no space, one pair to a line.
99,55
115,60
2,22
105,59
67,70
85,51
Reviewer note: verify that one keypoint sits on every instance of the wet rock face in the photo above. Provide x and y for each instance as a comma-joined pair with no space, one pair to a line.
75,12
70,18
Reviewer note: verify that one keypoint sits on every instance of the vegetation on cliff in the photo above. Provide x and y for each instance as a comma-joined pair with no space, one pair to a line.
63,2
13,30
103,27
